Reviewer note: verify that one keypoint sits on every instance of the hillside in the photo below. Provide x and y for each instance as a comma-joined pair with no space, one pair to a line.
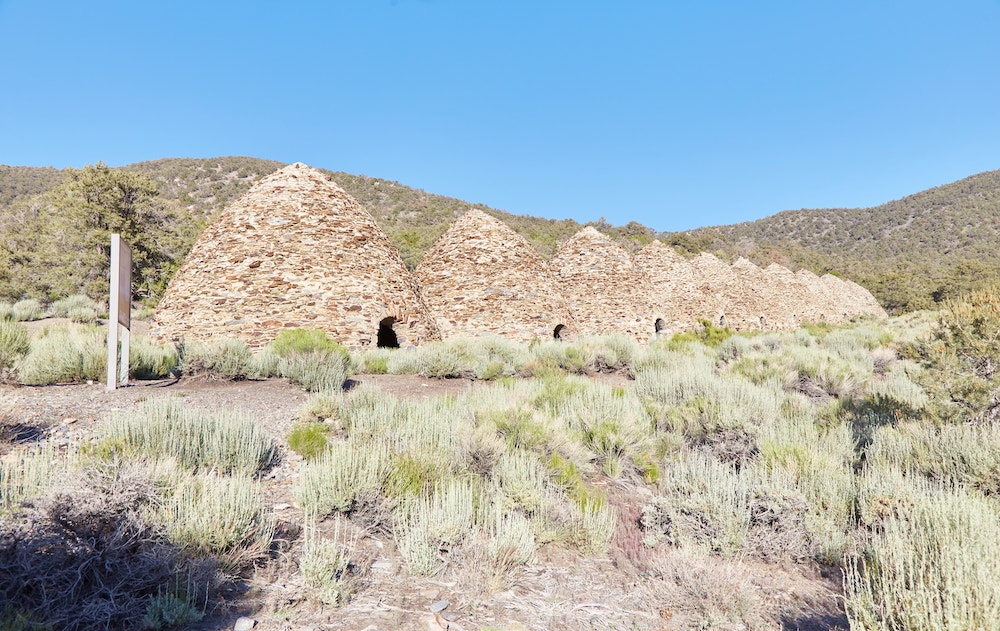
910,252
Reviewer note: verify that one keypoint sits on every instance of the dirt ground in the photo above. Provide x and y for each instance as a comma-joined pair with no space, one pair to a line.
561,590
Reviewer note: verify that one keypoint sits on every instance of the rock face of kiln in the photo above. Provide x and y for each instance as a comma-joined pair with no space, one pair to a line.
295,251
482,278
675,289
604,290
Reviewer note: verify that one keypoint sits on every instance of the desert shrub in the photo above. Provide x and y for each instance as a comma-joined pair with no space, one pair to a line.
148,360
227,358
308,439
172,607
14,344
332,482
62,308
961,358
510,542
219,516
316,371
6,311
325,564
143,313
962,455
710,593
932,565
521,479
599,521
85,559
164,428
614,427
65,355
404,362
265,363
372,361
701,504
321,407
27,310
295,341
442,516
441,361
83,316
29,474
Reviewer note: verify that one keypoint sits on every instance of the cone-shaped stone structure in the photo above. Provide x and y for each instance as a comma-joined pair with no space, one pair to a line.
718,282
604,290
795,299
482,278
295,251
675,288
753,299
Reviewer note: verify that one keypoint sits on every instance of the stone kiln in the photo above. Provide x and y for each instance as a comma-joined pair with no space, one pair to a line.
604,290
482,278
675,289
295,251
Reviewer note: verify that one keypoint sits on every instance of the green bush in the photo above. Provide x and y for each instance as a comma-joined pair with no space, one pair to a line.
933,565
220,516
14,344
308,439
293,341
962,358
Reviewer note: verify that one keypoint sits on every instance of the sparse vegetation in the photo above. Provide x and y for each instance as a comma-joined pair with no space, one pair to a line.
823,445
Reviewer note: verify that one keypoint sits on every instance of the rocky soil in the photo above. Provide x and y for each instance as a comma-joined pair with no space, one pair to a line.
561,590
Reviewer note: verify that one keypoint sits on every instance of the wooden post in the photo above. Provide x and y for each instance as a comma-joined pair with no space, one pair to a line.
119,311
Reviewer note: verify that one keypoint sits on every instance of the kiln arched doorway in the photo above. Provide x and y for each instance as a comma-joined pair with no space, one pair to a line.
386,334
559,331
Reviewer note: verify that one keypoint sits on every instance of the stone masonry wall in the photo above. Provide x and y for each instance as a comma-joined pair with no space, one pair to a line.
295,251
604,290
482,278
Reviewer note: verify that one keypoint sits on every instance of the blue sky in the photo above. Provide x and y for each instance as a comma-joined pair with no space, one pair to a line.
673,114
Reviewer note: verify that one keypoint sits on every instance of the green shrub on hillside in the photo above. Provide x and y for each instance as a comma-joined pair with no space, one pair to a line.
962,358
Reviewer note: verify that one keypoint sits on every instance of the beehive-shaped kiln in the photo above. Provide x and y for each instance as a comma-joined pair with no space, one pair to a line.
603,289
482,278
675,289
295,251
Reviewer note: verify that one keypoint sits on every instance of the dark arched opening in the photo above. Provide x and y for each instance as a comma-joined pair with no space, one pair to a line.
386,335
659,325
558,332
722,321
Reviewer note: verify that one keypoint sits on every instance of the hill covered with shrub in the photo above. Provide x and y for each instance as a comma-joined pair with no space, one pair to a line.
911,253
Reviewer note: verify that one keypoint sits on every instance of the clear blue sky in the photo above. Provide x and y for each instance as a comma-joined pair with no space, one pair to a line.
674,114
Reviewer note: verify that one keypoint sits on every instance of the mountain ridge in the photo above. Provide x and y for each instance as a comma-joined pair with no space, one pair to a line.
911,252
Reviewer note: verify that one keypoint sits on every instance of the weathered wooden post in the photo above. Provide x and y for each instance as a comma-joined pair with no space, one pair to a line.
119,311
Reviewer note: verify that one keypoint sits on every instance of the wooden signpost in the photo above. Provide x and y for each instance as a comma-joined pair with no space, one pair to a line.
119,311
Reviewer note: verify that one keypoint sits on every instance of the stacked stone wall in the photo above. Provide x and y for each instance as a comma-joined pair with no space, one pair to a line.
603,289
481,278
295,251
